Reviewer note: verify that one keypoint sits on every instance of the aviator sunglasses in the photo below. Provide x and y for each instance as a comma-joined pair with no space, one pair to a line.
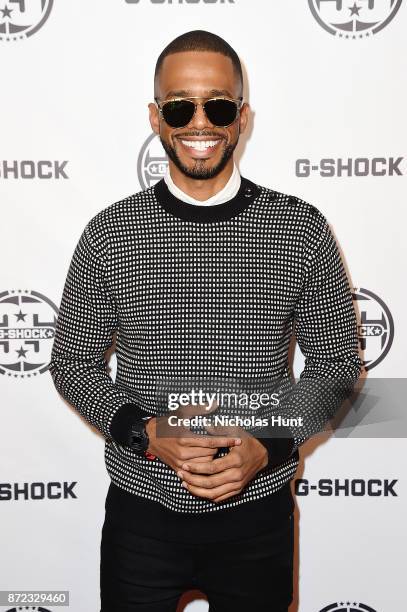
178,112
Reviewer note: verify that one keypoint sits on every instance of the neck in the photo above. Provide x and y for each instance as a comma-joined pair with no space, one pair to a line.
201,189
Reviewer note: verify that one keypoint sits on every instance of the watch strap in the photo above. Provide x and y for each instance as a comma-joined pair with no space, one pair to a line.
122,421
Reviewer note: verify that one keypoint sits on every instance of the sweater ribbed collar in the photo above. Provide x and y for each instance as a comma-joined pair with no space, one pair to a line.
248,191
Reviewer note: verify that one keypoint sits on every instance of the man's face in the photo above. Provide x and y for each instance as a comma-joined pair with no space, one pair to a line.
206,74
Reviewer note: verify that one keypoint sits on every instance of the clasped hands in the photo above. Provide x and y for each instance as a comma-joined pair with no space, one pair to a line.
192,455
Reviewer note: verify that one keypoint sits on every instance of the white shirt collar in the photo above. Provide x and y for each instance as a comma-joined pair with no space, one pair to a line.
227,193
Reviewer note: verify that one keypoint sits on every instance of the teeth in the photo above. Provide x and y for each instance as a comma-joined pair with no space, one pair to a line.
199,145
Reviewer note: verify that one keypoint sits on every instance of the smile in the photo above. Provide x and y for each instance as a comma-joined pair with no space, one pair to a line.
200,149
200,145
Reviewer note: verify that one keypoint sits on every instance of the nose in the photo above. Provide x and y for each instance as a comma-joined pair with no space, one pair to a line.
200,121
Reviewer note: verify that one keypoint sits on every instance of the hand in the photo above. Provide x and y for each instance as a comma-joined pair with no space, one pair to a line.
183,445
222,478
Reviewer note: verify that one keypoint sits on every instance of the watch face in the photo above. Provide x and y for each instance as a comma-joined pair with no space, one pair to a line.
139,438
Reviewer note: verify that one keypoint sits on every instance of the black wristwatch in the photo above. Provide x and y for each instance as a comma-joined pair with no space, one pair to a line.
138,437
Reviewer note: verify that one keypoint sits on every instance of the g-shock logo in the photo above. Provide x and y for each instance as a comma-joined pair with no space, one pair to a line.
152,162
32,169
15,491
353,18
22,18
330,167
375,327
347,487
347,606
27,326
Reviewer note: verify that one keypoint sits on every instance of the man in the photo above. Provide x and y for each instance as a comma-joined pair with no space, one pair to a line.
203,276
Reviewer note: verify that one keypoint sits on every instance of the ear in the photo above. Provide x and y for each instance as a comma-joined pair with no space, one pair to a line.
244,116
154,117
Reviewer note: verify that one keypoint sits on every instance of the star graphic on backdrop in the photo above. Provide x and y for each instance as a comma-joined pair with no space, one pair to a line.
21,352
20,316
354,10
6,12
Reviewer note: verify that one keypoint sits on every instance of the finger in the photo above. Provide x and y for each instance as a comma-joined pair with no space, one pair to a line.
211,493
210,441
213,481
198,409
223,497
219,430
203,458
212,467
191,453
198,452
222,430
182,433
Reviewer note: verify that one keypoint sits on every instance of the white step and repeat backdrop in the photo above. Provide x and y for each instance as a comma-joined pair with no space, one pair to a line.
326,83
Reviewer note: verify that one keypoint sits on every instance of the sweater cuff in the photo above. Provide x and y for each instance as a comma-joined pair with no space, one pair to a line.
123,419
279,448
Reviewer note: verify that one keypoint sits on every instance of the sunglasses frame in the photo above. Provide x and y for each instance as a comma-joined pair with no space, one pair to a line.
237,101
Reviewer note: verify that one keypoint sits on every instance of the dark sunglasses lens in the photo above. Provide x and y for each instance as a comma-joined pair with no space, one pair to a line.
221,112
178,113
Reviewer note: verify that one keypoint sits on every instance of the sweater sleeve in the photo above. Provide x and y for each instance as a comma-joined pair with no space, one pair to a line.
84,331
326,332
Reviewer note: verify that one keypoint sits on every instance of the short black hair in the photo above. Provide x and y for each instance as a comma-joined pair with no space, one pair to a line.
201,40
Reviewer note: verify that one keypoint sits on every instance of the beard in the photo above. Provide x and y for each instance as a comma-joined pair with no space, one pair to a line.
199,170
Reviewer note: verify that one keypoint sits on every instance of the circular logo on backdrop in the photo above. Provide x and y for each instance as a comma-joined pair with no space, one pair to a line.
375,327
347,606
152,162
22,18
27,327
354,18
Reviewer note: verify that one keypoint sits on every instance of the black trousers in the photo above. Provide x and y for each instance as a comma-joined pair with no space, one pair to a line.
145,574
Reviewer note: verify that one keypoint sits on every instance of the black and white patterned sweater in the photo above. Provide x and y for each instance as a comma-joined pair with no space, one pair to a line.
213,291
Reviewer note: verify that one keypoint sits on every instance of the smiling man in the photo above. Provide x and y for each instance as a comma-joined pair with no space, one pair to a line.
200,149
204,276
